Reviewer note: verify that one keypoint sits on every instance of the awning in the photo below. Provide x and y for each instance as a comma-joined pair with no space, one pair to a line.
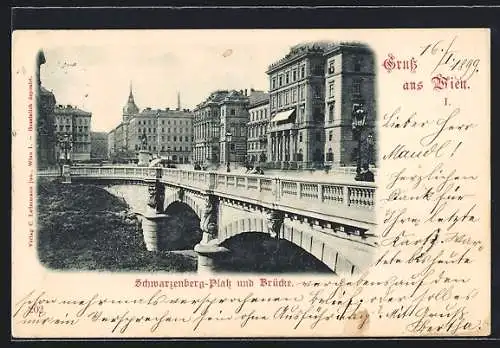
283,115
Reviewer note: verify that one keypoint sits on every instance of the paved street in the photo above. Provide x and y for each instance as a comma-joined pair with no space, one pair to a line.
316,175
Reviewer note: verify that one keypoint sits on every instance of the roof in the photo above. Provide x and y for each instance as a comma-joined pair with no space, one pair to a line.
313,48
258,97
149,112
234,96
214,97
70,110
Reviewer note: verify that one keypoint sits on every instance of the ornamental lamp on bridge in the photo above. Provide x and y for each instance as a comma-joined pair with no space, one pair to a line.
358,125
229,137
370,142
65,145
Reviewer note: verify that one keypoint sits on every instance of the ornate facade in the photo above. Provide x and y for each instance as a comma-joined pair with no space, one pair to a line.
206,127
301,133
257,126
74,125
349,81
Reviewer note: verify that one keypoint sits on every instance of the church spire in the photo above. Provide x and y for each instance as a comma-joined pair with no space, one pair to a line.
130,108
130,95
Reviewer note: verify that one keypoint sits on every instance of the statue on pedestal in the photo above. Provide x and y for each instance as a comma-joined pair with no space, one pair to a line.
144,141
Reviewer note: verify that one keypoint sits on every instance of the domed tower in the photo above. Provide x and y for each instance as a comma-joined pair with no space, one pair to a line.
130,109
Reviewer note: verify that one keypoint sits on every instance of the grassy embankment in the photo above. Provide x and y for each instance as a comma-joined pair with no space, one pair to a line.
84,227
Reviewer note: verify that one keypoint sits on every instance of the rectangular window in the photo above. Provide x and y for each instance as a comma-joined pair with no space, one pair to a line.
357,64
331,111
294,95
294,75
175,138
356,87
331,67
286,98
330,135
274,83
233,112
302,71
302,93
280,79
287,78
300,137
331,89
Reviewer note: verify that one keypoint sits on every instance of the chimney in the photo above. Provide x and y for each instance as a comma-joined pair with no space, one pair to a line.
178,101
252,90
245,91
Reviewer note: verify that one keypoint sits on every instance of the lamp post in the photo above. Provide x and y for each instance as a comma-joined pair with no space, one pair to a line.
228,151
64,141
158,154
369,140
358,124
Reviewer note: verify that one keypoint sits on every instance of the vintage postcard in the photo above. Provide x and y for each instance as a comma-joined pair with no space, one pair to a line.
250,183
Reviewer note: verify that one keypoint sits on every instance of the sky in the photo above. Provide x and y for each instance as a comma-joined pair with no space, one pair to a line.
93,69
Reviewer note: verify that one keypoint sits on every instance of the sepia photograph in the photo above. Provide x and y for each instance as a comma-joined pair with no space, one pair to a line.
174,159
225,183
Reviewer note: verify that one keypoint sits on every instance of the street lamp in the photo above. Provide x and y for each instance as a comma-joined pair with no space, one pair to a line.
229,137
64,141
358,124
158,134
369,140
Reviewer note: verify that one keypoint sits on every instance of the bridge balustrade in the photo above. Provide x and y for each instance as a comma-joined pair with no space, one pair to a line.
298,192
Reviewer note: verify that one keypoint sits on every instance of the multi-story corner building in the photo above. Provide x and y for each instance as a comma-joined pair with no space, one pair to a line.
258,110
297,82
45,132
301,133
234,117
72,124
349,80
207,126
169,132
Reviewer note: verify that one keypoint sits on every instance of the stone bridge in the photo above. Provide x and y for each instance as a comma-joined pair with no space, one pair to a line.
334,221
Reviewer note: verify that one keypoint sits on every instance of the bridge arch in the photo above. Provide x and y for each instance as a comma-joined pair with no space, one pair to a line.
301,234
186,198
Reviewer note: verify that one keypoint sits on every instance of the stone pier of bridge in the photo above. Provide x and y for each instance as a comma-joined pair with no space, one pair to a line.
334,222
